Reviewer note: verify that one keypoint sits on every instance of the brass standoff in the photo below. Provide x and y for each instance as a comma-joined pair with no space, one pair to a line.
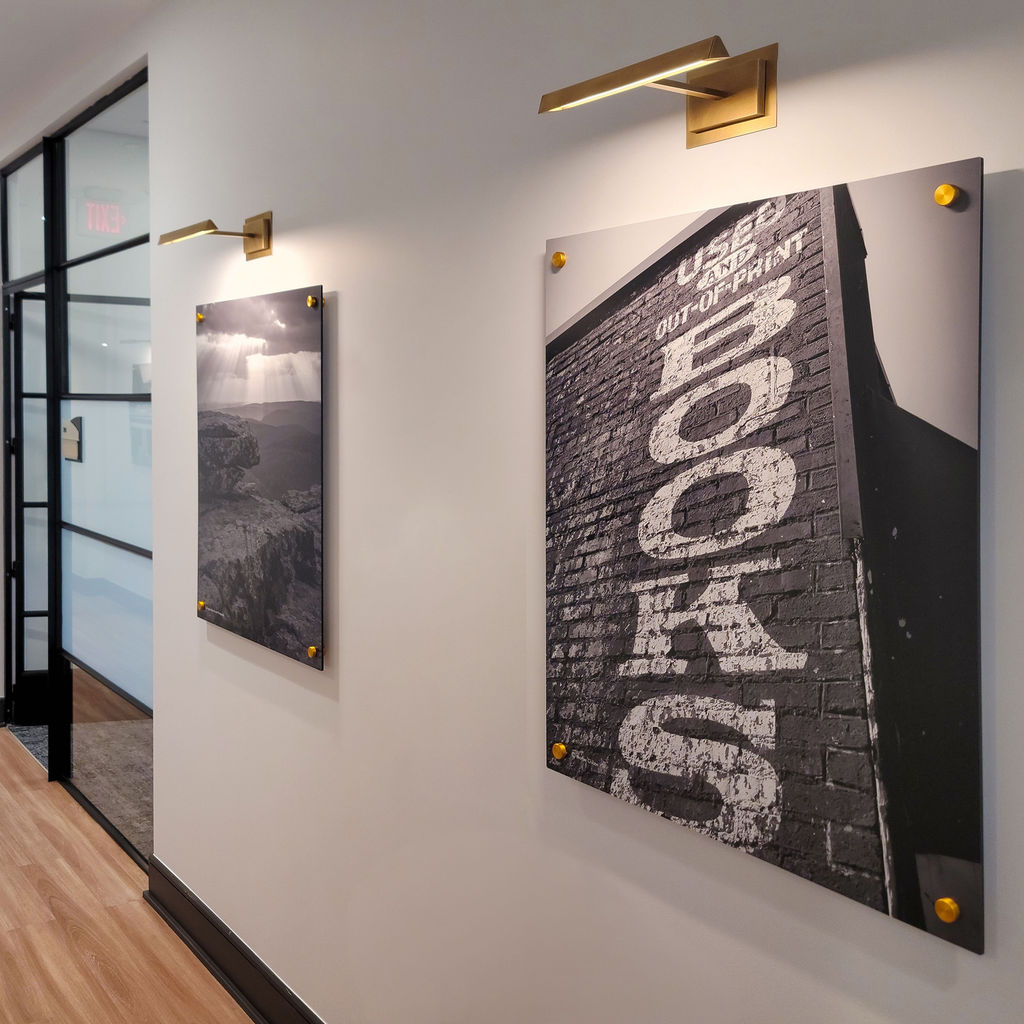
558,751
312,652
947,909
946,194
200,317
201,605
558,260
312,302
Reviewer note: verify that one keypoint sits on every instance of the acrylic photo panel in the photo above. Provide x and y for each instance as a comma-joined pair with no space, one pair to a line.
762,532
261,470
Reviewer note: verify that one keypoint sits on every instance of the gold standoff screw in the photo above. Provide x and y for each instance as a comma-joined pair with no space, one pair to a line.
946,194
312,652
200,317
559,750
947,909
201,605
311,301
558,259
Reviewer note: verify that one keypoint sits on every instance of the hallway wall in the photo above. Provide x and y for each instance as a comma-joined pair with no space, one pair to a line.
386,835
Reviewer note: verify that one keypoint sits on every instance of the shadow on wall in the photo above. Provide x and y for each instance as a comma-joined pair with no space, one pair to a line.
1002,495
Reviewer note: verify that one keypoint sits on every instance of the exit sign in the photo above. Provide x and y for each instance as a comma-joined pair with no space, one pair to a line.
101,218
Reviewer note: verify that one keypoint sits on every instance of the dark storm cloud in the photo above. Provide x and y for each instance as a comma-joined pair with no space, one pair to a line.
283,320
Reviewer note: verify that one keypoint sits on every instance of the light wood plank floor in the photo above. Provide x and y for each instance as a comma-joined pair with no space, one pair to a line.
78,944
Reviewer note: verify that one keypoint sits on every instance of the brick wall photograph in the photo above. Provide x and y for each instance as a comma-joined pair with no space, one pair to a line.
709,654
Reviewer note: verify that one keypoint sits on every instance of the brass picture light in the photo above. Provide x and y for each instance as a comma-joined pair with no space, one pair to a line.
726,96
256,234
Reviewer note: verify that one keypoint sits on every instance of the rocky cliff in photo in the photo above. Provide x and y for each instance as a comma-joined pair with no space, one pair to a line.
260,559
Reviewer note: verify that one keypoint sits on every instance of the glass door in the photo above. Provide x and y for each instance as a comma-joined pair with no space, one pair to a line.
26,520
106,539
106,534
74,255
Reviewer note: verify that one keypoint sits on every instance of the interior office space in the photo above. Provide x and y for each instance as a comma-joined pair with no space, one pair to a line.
385,836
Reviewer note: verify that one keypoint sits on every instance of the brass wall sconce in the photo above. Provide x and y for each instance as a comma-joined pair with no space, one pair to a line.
726,96
257,234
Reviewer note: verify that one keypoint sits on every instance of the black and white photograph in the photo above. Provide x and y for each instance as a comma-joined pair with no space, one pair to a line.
762,532
261,470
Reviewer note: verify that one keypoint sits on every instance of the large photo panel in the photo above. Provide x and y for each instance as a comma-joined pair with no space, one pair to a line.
762,522
261,470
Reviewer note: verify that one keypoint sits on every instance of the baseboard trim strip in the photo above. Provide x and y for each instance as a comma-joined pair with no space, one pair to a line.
249,981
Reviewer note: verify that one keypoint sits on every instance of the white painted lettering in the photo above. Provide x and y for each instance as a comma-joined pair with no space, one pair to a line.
771,483
769,381
740,642
767,312
745,780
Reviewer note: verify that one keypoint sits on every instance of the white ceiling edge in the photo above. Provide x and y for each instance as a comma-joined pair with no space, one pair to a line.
44,78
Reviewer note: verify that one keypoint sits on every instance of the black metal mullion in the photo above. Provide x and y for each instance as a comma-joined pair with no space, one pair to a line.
18,449
110,250
140,396
19,284
8,498
109,300
103,538
59,688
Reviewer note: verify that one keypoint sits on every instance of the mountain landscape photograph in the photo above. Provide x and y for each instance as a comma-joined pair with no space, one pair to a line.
261,470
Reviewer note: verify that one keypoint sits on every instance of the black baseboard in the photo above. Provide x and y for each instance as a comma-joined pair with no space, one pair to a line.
256,989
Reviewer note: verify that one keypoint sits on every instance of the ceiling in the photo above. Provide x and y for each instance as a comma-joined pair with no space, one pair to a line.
42,41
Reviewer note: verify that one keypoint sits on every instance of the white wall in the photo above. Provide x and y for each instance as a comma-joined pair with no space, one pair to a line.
386,835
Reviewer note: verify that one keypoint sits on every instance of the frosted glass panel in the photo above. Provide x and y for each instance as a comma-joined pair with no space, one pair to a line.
36,558
108,176
123,275
25,220
33,346
36,643
108,347
108,613
110,490
33,448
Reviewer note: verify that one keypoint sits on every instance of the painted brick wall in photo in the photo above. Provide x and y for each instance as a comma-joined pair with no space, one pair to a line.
705,652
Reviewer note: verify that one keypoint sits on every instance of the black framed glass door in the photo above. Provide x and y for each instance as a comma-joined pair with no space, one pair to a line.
26,518
74,252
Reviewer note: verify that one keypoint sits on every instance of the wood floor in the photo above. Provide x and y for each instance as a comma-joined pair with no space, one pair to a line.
94,702
78,945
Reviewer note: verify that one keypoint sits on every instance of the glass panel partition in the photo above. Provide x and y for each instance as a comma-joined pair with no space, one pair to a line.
36,641
100,491
108,177
33,347
36,559
25,220
108,347
33,448
108,613
110,490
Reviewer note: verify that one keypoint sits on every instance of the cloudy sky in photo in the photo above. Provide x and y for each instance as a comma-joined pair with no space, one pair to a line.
258,351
